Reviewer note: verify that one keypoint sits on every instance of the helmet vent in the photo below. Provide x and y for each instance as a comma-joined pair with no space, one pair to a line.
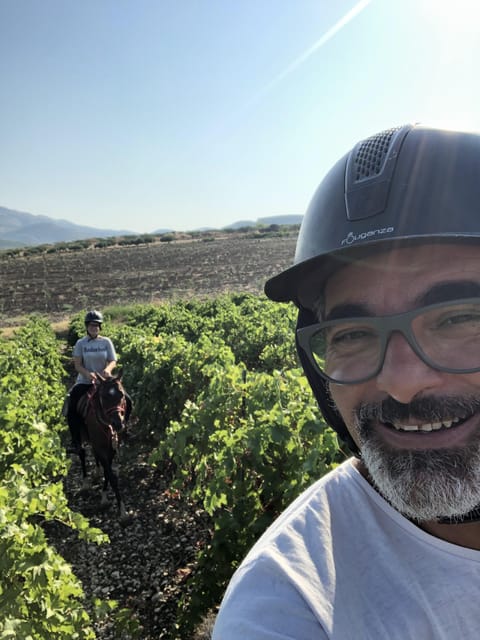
369,171
372,154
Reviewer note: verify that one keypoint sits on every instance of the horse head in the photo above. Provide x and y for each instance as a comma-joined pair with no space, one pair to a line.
112,400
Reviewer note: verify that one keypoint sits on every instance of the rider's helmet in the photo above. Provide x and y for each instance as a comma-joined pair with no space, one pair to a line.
93,316
406,185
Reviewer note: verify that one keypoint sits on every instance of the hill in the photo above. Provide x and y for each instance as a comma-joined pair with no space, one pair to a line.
21,229
278,220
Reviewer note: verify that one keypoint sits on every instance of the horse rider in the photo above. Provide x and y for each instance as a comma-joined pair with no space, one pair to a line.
93,354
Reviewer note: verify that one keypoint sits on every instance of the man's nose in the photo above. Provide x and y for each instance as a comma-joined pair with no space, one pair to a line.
404,374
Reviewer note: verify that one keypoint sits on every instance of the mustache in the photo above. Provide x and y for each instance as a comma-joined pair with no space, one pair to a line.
427,409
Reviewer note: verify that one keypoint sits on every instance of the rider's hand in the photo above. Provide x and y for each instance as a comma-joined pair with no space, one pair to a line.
93,376
106,373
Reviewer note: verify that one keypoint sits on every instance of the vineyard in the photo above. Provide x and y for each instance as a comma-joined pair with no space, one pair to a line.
227,426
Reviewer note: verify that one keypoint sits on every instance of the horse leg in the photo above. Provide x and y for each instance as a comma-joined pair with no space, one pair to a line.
83,464
104,502
98,466
112,478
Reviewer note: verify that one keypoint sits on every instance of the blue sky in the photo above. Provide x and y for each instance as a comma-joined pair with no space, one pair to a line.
148,114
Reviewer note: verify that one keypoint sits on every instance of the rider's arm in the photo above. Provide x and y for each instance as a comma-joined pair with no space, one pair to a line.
79,368
111,358
109,367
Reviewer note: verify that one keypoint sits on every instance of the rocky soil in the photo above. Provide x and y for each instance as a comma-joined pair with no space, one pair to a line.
146,566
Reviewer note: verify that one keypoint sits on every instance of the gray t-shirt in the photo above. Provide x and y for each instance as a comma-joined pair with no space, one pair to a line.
341,563
95,353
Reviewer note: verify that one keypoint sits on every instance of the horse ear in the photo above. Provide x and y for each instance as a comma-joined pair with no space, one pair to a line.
119,374
100,377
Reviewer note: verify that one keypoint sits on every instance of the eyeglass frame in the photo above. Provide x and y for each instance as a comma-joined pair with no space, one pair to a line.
386,326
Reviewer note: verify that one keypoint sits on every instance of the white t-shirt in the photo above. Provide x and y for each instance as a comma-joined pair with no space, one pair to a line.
95,353
341,563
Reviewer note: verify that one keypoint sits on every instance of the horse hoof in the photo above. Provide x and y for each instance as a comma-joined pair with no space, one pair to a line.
125,520
85,488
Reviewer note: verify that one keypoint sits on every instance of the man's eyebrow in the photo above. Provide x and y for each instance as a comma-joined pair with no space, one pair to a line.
446,291
441,292
348,310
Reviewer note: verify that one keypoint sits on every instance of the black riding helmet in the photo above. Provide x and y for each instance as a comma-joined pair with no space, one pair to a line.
407,185
93,316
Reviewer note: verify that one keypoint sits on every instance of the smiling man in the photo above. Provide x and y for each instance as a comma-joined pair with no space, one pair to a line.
387,283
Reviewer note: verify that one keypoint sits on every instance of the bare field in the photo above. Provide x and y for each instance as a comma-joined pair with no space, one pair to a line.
59,284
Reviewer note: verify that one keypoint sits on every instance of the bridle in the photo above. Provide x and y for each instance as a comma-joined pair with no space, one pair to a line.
103,413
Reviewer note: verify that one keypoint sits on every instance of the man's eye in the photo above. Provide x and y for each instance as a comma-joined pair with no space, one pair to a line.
470,318
351,336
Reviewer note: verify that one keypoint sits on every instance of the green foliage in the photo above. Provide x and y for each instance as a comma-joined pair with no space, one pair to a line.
248,445
104,242
166,351
216,382
125,622
259,333
167,237
76,328
39,596
163,372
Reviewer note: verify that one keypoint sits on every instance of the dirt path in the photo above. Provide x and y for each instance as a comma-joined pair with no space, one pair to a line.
146,564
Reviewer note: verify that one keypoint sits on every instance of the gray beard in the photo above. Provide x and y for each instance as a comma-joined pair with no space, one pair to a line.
423,484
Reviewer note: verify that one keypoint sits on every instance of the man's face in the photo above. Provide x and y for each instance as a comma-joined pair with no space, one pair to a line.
423,469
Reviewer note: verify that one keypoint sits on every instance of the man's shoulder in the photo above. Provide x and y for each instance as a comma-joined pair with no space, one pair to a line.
291,564
343,478
340,490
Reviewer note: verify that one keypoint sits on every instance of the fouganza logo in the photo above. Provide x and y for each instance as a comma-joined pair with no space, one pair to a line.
352,237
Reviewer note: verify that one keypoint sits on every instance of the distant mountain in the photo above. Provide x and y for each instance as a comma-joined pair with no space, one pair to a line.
159,232
289,219
20,229
292,219
240,224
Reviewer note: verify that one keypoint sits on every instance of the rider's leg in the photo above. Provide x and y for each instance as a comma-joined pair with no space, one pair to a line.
74,420
129,404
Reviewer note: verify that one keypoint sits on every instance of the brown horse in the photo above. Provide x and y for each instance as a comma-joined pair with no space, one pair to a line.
103,410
